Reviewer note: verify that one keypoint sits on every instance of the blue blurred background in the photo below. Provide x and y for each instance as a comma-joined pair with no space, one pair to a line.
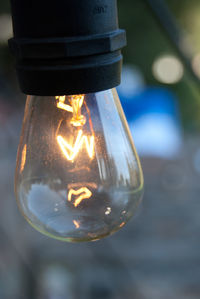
157,254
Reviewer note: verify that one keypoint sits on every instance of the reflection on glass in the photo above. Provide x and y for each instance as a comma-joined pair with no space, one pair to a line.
78,177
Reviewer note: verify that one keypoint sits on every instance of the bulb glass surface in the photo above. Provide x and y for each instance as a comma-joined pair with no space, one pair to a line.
78,176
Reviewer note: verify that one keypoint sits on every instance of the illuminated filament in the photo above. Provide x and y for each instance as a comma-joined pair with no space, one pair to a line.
82,193
76,102
61,104
70,152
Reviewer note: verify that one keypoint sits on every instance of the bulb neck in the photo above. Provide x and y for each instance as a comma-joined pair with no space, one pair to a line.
66,47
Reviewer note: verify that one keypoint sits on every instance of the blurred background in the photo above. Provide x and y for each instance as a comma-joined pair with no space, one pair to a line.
157,255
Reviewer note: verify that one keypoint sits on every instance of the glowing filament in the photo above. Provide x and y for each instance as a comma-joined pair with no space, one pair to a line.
78,119
70,152
61,104
83,193
76,102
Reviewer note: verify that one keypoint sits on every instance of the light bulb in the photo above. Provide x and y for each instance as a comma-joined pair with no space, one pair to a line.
78,176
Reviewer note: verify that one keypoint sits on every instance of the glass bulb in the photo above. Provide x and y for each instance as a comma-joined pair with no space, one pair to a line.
78,176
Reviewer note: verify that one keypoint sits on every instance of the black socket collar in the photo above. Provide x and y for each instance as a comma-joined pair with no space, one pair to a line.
66,47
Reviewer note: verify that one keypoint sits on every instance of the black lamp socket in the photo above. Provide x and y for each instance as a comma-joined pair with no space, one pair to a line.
67,46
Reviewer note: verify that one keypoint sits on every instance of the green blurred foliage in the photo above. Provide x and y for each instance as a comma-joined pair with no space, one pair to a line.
147,41
187,15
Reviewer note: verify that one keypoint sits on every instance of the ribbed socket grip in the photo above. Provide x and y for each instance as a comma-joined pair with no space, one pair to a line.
66,47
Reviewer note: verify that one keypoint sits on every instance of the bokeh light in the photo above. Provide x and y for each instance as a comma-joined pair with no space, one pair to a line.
168,69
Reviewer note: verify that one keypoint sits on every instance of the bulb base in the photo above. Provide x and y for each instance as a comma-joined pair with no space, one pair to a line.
78,51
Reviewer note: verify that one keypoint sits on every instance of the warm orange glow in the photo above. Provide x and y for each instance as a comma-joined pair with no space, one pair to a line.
78,99
83,194
23,160
122,224
76,102
61,104
76,223
78,119
70,152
